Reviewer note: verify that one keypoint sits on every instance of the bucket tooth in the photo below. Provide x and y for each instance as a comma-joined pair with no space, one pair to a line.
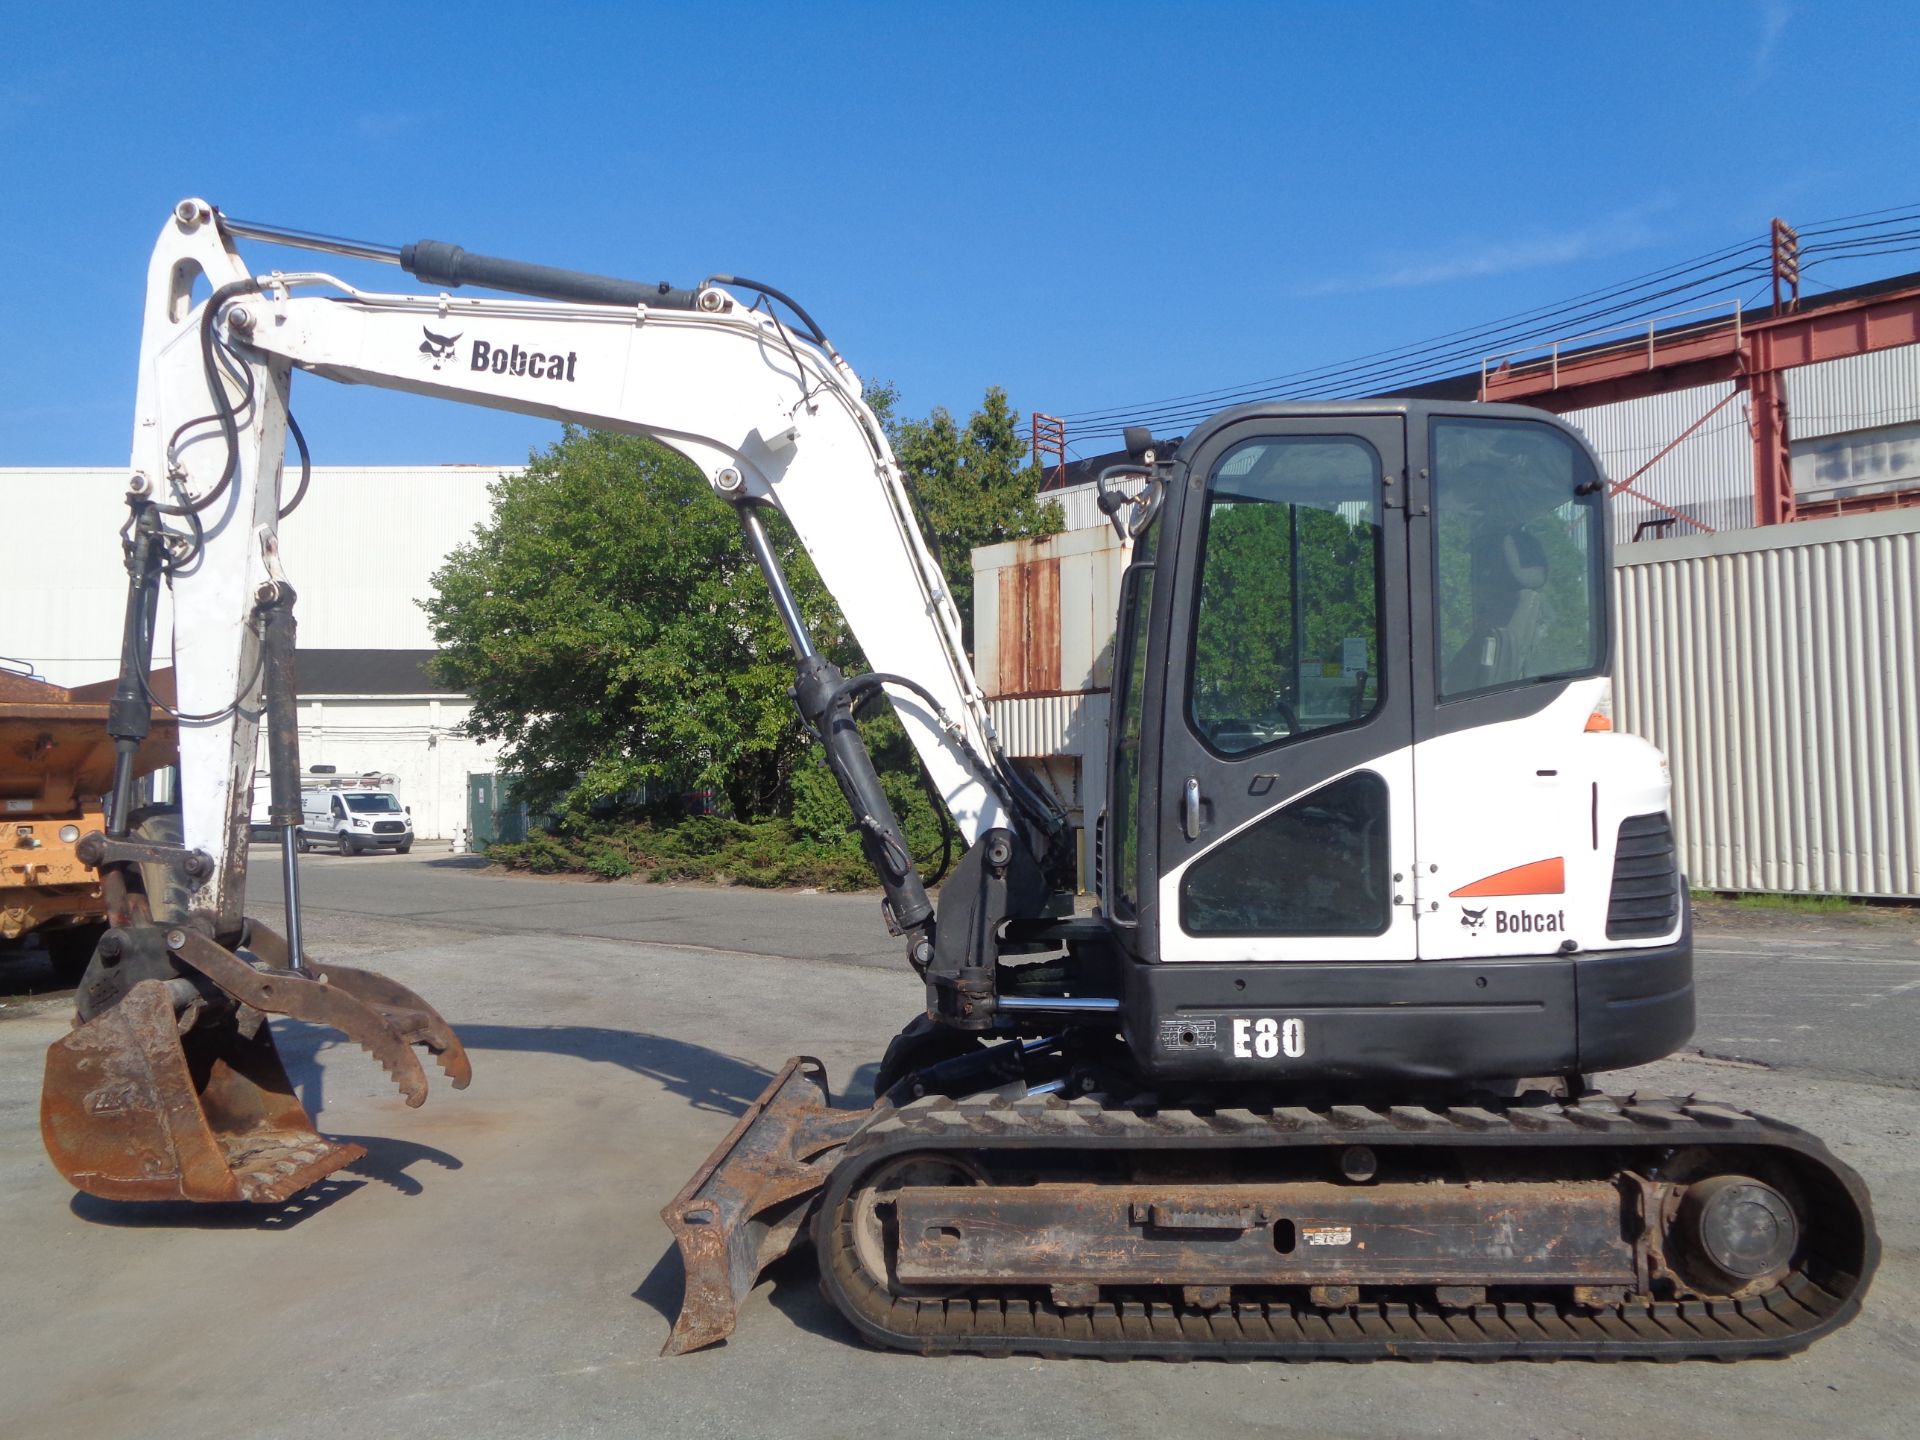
412,1018
743,1209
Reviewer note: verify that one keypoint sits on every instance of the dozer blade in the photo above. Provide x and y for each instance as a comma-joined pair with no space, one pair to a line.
743,1209
170,1095
132,1110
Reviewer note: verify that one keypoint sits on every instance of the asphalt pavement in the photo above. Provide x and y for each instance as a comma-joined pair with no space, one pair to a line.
496,1266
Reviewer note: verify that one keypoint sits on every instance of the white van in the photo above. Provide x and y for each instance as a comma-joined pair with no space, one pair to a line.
355,819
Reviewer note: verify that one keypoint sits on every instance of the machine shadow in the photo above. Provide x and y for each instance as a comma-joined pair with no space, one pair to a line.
386,1162
795,1293
794,1282
859,1089
706,1079
665,1284
194,1215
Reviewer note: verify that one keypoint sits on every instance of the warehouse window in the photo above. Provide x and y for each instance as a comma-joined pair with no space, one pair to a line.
1860,462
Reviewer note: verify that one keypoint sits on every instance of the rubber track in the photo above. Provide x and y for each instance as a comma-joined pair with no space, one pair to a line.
1810,1303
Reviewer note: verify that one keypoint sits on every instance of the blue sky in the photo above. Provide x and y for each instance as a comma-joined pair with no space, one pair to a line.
1091,205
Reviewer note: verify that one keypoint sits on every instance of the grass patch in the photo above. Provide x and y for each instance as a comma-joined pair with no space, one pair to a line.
1798,904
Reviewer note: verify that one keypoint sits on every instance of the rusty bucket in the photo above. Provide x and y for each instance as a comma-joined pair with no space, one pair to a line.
175,1091
133,1110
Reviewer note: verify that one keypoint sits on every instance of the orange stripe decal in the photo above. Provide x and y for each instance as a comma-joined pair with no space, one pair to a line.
1539,877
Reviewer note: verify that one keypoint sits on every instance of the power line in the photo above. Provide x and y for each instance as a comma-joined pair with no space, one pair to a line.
1616,306
1443,362
1444,355
1540,312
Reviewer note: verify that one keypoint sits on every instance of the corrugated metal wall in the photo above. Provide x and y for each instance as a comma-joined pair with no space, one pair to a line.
1861,392
1043,612
1080,504
1036,727
1709,475
1780,671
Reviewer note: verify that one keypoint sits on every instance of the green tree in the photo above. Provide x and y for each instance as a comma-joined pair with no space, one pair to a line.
974,485
611,629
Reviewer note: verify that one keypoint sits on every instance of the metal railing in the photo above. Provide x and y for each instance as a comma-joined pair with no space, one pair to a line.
1645,335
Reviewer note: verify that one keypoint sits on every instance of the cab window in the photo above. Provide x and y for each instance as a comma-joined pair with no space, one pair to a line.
1519,555
1130,686
1287,629
1315,867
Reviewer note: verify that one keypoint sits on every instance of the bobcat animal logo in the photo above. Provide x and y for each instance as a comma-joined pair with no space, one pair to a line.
1473,919
438,347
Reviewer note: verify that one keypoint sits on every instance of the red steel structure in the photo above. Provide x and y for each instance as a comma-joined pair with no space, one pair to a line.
1753,354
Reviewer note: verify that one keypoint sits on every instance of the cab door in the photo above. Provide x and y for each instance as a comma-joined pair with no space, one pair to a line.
1285,818
1508,550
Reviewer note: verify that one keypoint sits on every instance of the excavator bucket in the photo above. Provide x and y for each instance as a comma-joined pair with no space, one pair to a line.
746,1207
133,1110
170,1094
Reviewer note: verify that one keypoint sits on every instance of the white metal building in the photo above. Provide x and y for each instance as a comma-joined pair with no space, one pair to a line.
360,550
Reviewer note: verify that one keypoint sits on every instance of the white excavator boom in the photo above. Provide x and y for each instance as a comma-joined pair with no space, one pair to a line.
768,413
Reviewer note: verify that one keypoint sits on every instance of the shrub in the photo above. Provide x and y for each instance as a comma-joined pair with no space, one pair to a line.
608,863
763,854
540,852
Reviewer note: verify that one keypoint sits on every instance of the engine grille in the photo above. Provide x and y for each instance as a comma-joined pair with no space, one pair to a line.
1645,899
389,827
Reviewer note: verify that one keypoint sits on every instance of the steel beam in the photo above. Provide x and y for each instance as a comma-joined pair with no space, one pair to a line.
1730,352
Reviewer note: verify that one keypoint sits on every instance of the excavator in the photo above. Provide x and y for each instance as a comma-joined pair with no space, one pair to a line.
1380,889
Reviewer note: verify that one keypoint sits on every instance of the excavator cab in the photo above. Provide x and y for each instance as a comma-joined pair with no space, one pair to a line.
1356,797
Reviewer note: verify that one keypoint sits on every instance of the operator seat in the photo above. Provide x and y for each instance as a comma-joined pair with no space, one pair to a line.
1510,612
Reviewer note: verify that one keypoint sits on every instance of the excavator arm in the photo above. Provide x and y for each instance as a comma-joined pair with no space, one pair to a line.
169,1086
771,415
